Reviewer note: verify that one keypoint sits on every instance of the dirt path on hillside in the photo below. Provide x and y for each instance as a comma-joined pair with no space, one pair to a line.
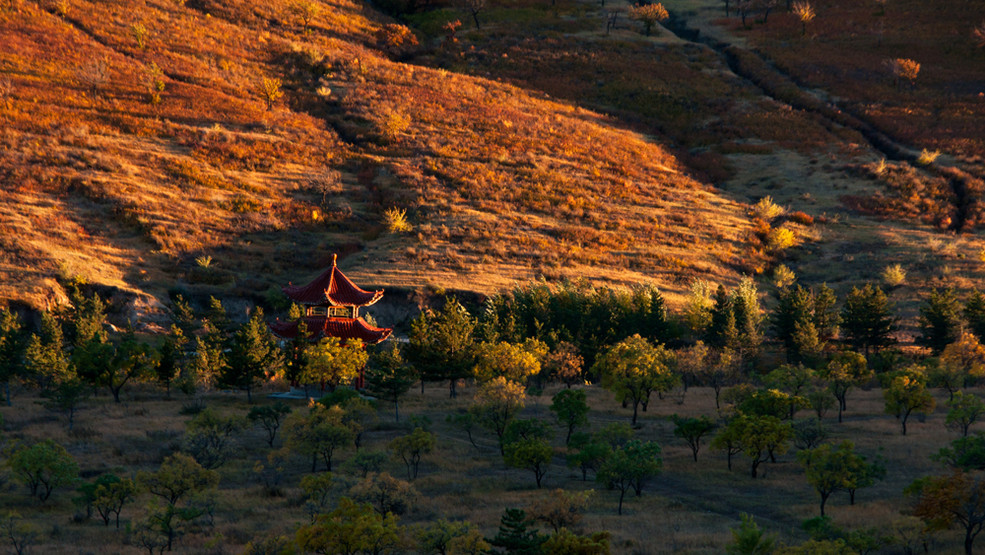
849,248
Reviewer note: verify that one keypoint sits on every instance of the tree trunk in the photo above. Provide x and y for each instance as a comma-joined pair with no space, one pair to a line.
824,499
475,18
636,405
622,494
451,389
396,412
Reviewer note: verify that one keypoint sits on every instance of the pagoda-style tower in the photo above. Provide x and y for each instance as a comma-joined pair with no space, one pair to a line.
332,304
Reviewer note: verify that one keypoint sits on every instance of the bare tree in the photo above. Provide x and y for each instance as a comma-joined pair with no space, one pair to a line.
474,7
93,75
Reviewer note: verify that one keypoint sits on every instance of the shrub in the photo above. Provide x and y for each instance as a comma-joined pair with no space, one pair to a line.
766,209
140,34
396,220
802,218
927,157
893,275
780,238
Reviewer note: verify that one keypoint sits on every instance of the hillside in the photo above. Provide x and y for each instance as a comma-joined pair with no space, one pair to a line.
136,142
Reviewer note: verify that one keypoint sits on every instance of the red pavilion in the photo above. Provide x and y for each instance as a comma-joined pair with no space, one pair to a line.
332,304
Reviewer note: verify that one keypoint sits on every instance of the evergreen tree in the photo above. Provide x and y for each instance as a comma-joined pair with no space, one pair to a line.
515,535
296,349
44,358
389,376
253,355
974,314
441,343
867,318
11,349
940,320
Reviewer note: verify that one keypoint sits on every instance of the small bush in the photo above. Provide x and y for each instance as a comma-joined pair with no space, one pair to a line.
396,221
802,218
894,275
927,157
780,238
766,209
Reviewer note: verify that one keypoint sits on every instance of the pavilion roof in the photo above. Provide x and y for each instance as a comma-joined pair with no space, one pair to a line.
332,287
343,328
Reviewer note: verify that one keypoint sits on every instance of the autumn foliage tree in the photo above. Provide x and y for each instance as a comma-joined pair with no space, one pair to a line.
649,15
954,500
634,368
907,393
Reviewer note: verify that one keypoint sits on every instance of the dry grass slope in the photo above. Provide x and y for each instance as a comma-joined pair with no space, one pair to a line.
101,180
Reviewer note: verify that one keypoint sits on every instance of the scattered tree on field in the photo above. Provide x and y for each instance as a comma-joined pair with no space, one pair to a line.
965,408
634,368
44,357
830,468
350,529
269,417
178,477
533,454
20,534
692,430
630,467
93,76
561,509
171,359
571,409
318,434
974,314
43,467
954,500
649,15
809,433
208,436
253,356
410,448
845,370
907,393
497,402
387,495
794,380
396,39
107,495
804,320
388,377
959,363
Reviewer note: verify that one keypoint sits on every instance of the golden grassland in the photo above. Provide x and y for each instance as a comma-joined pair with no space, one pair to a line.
102,181
688,508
